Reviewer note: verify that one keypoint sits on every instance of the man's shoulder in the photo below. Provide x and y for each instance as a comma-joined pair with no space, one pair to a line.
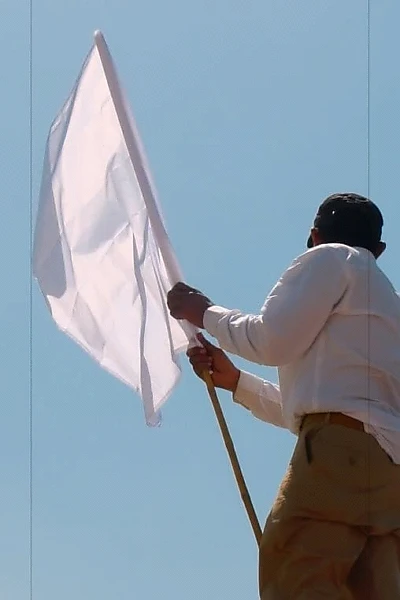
323,262
330,254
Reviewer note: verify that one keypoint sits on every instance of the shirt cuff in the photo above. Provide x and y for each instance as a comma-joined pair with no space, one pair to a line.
248,388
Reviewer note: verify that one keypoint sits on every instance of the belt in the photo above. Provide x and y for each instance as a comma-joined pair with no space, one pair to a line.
334,418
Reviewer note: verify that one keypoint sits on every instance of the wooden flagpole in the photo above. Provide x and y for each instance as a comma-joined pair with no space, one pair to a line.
244,493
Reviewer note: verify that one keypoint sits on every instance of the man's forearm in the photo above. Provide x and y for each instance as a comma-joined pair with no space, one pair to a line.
261,397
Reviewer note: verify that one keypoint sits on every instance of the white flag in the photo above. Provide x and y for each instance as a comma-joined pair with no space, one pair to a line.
102,257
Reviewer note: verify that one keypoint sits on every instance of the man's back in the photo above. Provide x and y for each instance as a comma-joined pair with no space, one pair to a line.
353,365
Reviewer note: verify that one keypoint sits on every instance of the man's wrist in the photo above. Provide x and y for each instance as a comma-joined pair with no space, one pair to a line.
235,381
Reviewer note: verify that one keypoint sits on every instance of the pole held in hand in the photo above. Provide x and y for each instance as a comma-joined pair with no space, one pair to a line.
244,493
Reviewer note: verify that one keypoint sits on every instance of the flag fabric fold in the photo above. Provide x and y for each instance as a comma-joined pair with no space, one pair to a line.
102,258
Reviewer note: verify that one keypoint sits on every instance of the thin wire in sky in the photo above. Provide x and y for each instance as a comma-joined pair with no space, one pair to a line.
368,93
368,157
30,300
368,168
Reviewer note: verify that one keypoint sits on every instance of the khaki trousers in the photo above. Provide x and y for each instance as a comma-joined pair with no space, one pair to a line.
334,529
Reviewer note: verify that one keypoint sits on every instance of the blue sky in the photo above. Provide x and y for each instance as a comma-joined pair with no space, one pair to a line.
251,113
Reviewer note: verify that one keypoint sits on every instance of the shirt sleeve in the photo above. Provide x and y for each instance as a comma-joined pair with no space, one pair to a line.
261,397
293,314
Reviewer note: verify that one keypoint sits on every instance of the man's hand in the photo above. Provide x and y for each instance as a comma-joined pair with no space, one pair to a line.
210,358
185,302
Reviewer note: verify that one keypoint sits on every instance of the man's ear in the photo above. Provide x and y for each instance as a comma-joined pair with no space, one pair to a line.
380,250
316,237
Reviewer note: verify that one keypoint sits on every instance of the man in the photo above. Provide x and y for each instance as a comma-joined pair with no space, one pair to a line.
332,327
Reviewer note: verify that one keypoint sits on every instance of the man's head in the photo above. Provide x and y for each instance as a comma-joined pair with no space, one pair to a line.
348,219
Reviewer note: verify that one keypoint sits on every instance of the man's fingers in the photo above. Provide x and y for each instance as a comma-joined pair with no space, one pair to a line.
200,359
206,349
196,351
181,287
200,363
174,312
176,298
174,304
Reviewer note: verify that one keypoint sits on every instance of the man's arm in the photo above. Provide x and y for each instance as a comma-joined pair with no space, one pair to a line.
292,316
261,397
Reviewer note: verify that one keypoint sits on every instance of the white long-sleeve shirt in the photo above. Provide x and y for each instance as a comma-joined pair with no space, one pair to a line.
332,327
